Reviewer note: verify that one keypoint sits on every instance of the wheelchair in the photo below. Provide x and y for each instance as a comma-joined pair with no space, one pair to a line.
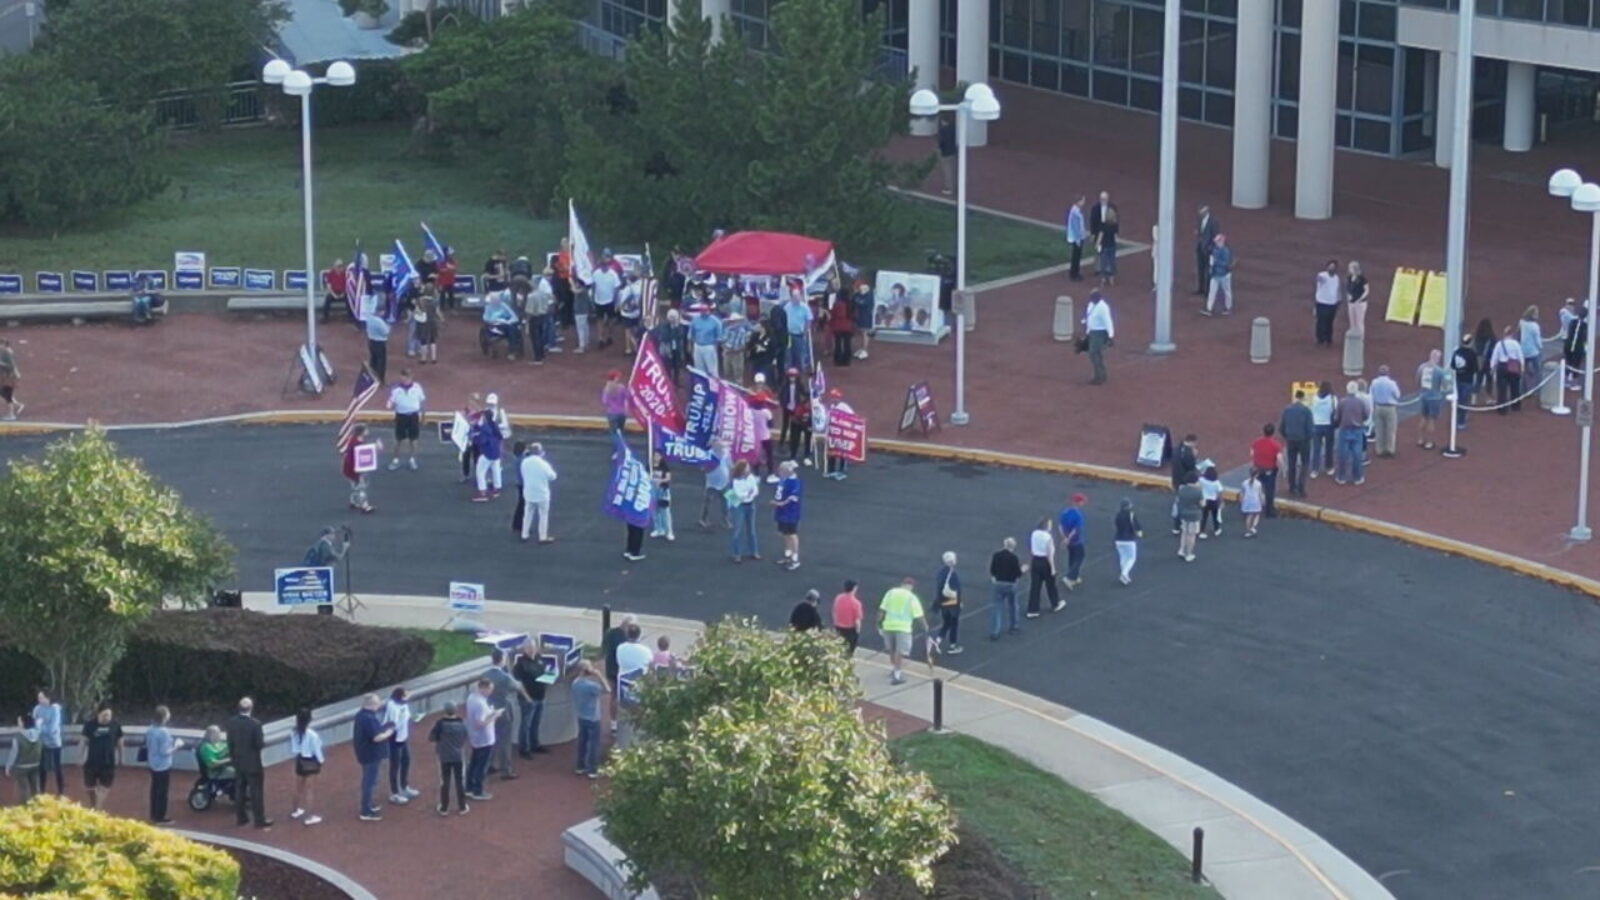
210,785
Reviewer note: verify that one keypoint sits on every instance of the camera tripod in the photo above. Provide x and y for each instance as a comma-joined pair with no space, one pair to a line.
350,602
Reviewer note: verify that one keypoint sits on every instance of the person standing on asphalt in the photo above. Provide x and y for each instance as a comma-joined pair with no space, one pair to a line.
1250,494
1005,570
449,738
1350,416
743,489
1464,365
368,739
1431,378
1128,533
1042,546
847,615
588,693
1077,233
1323,408
1101,332
1296,429
536,475
1210,503
1359,292
406,399
1070,523
1189,504
787,511
1185,462
10,374
488,440
898,613
398,718
102,739
1205,236
481,719
1385,393
245,743
505,688
377,345
1266,456
159,746
305,746
949,582
718,478
1508,371
528,669
47,718
1327,302
806,616
1221,276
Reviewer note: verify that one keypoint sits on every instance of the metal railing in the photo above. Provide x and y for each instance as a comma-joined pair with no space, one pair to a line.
600,42
181,109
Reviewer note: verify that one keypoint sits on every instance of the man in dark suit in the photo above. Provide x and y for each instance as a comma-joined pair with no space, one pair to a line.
244,745
1185,462
1205,234
1097,214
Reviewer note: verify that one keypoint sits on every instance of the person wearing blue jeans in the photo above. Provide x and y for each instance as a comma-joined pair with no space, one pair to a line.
743,489
587,690
369,742
528,669
1352,446
481,716
1005,570
1071,525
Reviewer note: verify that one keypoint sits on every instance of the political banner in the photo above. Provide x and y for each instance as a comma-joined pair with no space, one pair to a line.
628,686
700,415
304,586
118,280
650,391
736,424
49,282
294,279
188,261
628,496
186,280
563,650
225,277
466,285
10,284
847,435
466,597
460,431
260,280
85,281
366,456
680,449
154,279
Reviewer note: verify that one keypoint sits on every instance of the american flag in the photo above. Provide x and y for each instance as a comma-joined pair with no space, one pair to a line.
647,297
366,387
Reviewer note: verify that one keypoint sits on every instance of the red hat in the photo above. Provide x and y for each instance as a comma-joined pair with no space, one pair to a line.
614,374
1079,498
836,394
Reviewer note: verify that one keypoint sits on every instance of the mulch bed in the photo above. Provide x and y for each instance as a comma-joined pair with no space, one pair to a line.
265,878
972,870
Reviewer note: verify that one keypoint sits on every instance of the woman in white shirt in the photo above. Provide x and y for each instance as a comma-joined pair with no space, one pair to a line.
1211,496
742,493
305,746
1322,407
1531,341
397,715
1507,364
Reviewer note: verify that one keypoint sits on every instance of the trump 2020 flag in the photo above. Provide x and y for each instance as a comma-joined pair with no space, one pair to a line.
700,415
582,260
628,496
429,242
680,449
736,423
650,390
404,272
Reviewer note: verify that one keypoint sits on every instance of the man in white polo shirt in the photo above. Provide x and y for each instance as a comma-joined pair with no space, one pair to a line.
406,399
537,473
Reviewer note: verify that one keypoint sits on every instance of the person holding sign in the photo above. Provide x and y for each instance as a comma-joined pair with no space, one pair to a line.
354,475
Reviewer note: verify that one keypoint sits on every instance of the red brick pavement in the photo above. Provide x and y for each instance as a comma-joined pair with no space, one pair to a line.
1027,393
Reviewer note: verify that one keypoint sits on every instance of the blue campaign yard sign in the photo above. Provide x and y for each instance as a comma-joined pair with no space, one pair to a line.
466,285
304,586
10,284
49,282
294,279
155,279
225,276
189,279
260,279
85,281
119,280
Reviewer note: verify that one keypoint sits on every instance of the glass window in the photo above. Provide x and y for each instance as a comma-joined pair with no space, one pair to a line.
1415,90
1289,66
1144,94
1198,6
1147,36
1347,74
1522,9
1075,29
1228,9
1219,54
1075,80
1014,67
1412,140
1374,79
1191,103
1570,12
1289,13
1378,21
1014,24
1372,135
1288,121
1347,17
1110,87
1046,74
1341,131
1219,108
1047,26
1191,49
1110,36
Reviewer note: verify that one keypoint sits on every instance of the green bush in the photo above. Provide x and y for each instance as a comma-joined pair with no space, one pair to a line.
57,849
215,656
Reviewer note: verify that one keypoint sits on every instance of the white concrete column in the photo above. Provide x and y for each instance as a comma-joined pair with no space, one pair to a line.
972,54
1444,108
715,10
922,56
1319,58
1519,107
1252,104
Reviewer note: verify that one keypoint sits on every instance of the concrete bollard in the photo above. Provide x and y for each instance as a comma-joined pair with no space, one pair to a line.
1552,394
1355,354
1064,322
964,303
972,311
1260,340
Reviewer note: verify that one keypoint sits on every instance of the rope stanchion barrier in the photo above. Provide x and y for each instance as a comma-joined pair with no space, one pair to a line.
1518,399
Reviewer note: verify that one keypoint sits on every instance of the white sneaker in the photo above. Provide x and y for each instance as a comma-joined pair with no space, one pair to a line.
394,464
312,820
772,479
412,463
412,792
297,814
399,799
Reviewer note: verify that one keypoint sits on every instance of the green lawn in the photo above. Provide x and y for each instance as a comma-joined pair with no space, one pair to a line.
236,196
449,647
1065,840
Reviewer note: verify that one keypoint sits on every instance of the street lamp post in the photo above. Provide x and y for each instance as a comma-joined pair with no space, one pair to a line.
1585,198
979,105
297,83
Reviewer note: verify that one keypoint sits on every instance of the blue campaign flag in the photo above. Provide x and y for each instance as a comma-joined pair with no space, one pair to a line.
429,242
680,449
629,496
700,414
404,272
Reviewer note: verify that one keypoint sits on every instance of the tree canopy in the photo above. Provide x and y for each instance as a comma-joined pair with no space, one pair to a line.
90,544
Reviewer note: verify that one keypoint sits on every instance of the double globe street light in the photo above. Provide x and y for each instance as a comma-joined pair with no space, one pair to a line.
1585,198
298,83
978,105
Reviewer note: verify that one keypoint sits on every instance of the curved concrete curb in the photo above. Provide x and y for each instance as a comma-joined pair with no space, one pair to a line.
332,876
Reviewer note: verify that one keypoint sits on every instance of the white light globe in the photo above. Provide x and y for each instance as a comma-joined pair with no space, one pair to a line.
275,71
924,103
978,91
341,74
985,108
297,84
1587,198
1564,182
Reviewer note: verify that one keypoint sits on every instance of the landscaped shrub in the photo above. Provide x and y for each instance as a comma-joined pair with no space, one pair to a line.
57,849
282,661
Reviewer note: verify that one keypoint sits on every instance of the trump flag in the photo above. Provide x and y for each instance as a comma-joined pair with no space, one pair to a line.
628,496
650,391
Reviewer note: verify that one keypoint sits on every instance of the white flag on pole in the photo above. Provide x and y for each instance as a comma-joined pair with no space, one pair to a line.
582,260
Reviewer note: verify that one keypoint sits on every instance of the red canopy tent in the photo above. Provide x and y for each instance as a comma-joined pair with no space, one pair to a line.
765,253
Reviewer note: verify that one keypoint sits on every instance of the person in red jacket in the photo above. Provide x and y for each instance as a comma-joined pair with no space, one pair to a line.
358,480
447,279
842,326
336,280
